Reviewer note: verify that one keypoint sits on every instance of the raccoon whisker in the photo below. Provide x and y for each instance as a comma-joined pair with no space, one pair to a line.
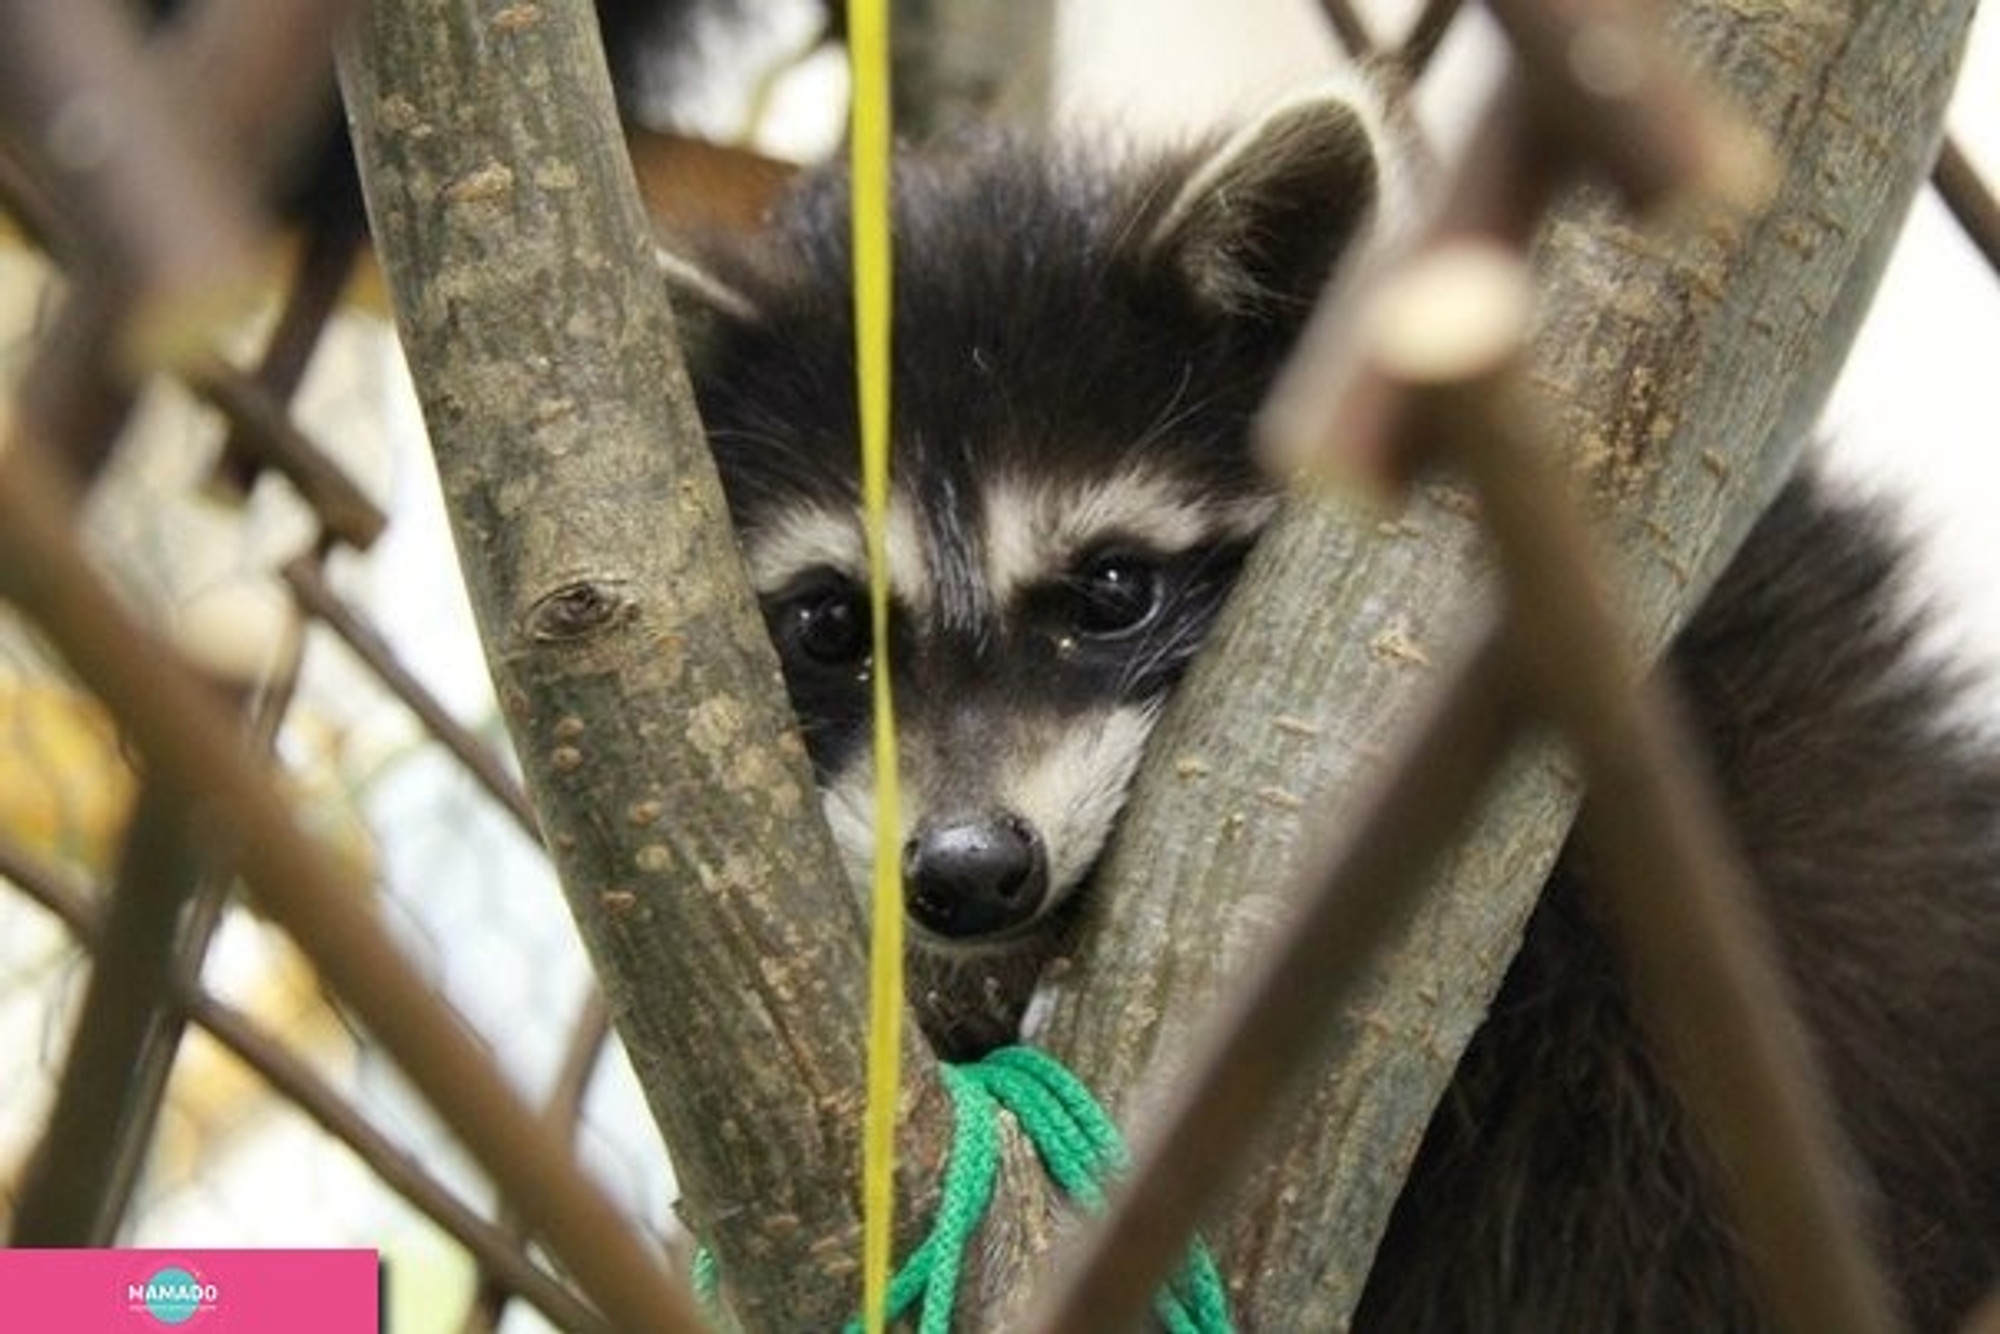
1162,655
1144,211
1174,413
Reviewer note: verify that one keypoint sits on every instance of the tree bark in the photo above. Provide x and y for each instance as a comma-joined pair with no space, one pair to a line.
1683,366
641,692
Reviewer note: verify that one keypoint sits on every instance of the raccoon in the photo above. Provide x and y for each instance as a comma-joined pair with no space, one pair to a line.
1079,354
1081,349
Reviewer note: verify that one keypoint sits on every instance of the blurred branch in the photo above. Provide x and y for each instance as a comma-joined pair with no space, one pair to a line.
308,584
1399,66
68,1195
564,1110
1426,34
1674,890
342,508
189,748
1599,81
139,169
1970,199
330,252
153,215
259,74
497,1252
1349,29
72,392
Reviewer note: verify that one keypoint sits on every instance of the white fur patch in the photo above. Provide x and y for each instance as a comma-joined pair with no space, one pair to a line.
828,537
1073,790
804,539
1035,533
849,804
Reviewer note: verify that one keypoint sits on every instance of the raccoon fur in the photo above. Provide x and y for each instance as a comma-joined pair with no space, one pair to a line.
1081,348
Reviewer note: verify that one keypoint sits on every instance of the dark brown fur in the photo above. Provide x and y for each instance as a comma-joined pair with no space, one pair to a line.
1560,1186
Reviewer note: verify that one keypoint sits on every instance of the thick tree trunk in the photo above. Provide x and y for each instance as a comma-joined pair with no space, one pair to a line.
637,680
1684,366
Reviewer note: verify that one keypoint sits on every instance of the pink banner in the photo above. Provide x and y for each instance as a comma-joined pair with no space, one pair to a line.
203,1292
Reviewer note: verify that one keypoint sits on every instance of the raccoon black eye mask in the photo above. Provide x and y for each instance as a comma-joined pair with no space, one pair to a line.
1081,344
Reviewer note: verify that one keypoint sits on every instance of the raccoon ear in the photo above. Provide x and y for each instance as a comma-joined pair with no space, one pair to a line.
1258,226
702,301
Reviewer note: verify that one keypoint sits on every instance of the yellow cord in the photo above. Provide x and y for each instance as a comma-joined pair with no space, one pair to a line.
868,49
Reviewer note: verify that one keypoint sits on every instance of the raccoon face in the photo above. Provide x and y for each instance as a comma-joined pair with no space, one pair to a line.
1034,632
1079,353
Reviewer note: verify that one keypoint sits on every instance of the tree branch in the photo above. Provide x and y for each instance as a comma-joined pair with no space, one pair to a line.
191,751
1653,347
641,690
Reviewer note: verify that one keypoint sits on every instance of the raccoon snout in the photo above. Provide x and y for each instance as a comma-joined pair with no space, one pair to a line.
975,876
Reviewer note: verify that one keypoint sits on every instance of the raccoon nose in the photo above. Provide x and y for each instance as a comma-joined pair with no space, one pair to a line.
976,876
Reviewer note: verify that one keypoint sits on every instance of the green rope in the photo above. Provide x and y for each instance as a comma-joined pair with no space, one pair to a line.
1079,1148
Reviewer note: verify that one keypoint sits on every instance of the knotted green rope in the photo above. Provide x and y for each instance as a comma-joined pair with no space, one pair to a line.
1079,1148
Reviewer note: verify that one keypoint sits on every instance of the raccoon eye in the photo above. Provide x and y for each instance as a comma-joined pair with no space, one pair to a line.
828,624
1113,593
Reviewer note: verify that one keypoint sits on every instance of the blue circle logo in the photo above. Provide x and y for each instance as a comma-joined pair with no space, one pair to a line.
173,1295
